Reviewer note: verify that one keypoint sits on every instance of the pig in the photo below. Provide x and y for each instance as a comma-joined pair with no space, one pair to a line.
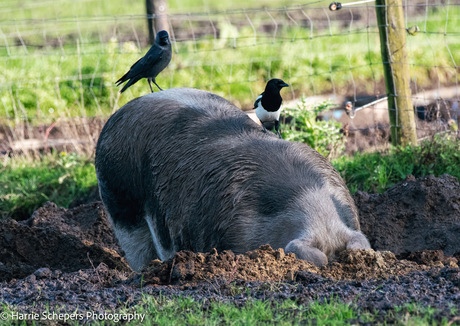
185,169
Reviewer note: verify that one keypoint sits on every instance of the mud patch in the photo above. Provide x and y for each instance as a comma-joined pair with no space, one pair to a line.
413,215
56,238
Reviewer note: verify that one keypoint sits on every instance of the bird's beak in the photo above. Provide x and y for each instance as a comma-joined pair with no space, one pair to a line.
284,85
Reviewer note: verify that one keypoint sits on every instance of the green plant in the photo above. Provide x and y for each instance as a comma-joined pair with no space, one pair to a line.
302,124
376,172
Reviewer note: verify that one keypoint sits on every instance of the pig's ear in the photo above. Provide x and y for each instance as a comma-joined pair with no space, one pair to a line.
303,250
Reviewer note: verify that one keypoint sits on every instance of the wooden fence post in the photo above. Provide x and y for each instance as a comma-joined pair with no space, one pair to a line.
157,17
390,18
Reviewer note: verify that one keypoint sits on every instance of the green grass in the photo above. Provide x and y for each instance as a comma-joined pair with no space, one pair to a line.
48,81
25,184
187,311
32,9
44,86
376,172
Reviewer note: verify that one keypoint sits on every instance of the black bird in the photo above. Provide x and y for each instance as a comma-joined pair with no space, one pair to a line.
268,104
150,65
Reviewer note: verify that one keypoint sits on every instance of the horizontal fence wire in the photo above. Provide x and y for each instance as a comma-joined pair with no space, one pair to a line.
64,67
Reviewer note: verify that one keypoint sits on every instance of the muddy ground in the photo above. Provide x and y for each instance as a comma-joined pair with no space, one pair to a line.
69,258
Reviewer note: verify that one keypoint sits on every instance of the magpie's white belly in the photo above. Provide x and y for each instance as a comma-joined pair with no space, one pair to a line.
267,116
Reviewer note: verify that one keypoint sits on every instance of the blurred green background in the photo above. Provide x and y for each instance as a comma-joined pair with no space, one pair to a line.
61,58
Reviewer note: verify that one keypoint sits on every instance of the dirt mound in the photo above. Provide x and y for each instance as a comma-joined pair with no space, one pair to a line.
413,215
87,222
262,264
57,238
267,264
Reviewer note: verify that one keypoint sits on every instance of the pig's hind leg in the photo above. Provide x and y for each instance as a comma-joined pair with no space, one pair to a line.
358,241
303,250
130,227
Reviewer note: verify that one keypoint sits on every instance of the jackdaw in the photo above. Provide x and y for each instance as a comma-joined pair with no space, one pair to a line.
149,66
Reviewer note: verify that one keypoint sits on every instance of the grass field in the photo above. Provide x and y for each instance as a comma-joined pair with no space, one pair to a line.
64,61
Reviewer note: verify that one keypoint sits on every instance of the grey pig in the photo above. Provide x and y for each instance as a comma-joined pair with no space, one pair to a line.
185,169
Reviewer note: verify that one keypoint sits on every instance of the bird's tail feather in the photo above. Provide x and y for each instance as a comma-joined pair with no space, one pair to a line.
129,83
122,79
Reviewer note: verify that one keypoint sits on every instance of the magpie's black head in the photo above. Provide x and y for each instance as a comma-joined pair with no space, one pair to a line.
275,84
162,38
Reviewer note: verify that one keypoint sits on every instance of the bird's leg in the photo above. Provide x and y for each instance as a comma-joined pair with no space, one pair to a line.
150,80
264,130
156,84
277,127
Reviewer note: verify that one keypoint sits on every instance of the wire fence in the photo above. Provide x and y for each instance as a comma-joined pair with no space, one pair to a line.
61,69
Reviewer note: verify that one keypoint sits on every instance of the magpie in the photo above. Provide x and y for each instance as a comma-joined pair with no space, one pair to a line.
268,104
150,65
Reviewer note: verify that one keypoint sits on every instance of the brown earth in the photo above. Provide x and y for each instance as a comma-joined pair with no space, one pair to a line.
69,258
413,215
57,238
